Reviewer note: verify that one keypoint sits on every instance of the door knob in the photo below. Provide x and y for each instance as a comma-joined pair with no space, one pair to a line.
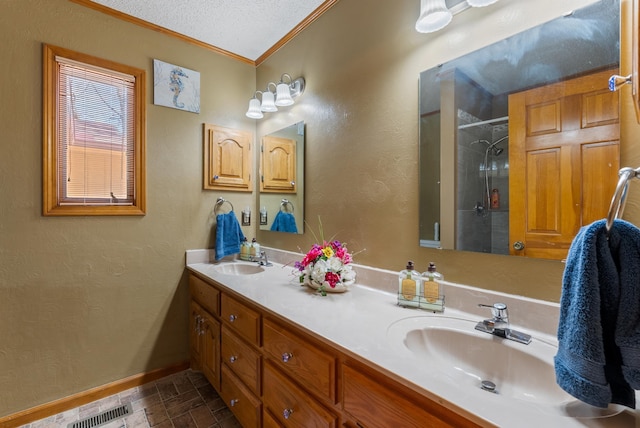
616,82
518,245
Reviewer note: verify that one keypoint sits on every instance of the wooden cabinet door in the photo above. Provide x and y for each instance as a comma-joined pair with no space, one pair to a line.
278,165
227,158
195,341
563,162
210,351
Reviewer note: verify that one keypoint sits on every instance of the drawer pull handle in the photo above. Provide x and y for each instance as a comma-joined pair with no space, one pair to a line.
233,359
233,402
286,357
287,413
232,318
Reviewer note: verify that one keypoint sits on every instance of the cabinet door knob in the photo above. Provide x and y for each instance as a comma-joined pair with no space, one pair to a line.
233,359
233,402
286,357
518,245
232,318
286,413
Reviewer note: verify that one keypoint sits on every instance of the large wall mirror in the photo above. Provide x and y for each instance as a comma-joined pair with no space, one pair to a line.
281,201
519,141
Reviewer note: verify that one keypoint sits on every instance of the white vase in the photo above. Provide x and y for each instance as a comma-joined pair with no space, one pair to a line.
340,287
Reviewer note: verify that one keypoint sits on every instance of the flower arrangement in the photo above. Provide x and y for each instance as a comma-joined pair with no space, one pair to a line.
327,265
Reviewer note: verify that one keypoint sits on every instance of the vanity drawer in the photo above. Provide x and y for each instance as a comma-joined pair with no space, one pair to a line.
242,320
289,405
312,367
205,294
375,402
244,405
243,360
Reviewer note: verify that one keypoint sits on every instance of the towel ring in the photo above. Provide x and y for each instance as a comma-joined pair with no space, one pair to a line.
284,203
219,203
620,195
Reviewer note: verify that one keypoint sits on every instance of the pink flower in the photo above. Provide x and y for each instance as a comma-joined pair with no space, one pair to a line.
343,255
332,278
314,253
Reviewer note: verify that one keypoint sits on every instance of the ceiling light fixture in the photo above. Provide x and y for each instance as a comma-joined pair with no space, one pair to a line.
435,15
285,92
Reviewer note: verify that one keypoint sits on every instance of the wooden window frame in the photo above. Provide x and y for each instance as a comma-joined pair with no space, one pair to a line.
50,160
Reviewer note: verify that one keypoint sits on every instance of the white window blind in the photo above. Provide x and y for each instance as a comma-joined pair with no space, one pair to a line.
96,135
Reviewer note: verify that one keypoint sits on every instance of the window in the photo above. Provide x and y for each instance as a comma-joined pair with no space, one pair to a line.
94,135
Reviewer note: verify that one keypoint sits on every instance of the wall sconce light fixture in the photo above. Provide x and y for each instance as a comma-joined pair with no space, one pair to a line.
283,94
435,15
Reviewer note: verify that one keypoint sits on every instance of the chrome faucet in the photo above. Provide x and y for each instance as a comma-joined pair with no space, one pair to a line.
263,260
498,325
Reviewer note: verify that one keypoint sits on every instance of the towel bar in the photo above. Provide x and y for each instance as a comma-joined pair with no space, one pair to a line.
620,195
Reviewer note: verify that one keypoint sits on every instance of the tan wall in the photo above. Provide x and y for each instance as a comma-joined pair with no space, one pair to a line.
86,301
361,114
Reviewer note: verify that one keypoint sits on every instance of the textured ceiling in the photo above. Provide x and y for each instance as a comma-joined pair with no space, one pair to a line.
247,28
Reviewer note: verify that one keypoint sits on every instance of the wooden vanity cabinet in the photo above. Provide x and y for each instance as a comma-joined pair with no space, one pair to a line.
272,373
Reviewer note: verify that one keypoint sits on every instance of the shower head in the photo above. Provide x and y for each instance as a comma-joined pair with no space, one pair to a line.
496,150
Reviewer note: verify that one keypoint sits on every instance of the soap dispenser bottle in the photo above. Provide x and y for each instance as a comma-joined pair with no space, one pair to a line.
244,249
255,249
409,287
433,294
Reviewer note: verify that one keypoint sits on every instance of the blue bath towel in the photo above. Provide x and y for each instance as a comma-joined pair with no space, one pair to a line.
284,222
598,358
229,236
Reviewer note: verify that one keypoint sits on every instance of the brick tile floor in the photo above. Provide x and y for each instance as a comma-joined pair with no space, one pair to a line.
182,400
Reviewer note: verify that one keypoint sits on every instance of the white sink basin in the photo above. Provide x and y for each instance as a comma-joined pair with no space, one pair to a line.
238,268
468,357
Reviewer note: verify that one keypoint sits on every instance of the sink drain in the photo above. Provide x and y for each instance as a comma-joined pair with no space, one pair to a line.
487,385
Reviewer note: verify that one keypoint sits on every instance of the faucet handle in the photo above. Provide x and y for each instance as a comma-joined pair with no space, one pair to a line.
498,310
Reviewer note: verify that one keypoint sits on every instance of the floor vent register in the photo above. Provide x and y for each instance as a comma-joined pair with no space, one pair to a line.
103,418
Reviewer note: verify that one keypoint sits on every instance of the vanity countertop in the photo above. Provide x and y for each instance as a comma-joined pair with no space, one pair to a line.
358,323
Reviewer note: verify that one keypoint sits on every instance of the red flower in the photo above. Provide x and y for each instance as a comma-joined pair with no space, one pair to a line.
332,278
